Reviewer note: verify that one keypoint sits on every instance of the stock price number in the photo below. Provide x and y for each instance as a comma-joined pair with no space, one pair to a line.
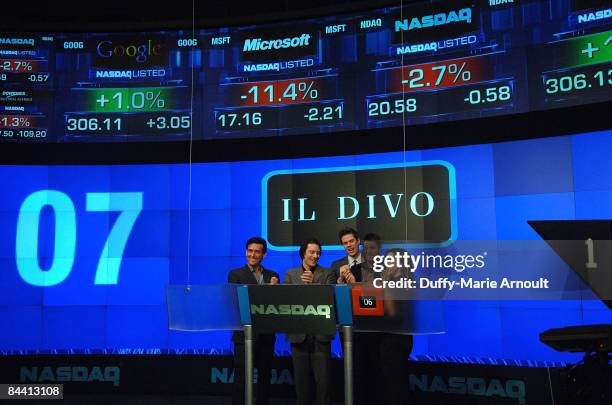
93,124
580,81
38,78
324,113
24,133
399,106
233,120
489,95
31,133
173,122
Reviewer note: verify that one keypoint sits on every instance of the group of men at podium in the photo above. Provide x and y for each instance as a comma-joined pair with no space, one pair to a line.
311,354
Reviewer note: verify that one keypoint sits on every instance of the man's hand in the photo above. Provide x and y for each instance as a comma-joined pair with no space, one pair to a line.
307,276
345,275
274,280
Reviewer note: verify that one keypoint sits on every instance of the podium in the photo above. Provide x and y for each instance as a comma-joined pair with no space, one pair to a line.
310,309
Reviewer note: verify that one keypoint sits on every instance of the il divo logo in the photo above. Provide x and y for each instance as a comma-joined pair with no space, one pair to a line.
409,202
391,203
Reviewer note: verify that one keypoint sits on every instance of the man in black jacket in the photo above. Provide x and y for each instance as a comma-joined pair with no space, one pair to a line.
253,273
311,353
348,268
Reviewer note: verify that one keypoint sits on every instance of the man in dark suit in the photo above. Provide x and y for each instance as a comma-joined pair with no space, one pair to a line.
253,273
348,268
311,353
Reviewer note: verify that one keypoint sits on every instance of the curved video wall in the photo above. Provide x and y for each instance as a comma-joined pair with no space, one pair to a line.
86,252
423,63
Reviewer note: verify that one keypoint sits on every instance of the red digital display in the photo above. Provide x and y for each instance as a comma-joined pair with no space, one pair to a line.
436,75
18,121
20,65
367,301
292,91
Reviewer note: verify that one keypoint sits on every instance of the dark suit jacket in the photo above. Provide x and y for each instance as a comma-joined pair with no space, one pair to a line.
322,275
336,264
243,275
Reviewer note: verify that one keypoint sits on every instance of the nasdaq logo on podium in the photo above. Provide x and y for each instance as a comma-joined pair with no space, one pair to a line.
292,309
410,203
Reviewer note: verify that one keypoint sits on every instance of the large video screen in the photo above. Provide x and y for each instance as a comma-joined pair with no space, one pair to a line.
86,252
423,63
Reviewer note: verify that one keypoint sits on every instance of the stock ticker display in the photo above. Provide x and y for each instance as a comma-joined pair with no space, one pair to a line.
423,63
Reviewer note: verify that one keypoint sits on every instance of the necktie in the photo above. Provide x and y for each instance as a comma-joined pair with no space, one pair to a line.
356,270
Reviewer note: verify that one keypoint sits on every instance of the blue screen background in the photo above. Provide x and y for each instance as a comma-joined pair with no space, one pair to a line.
499,187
